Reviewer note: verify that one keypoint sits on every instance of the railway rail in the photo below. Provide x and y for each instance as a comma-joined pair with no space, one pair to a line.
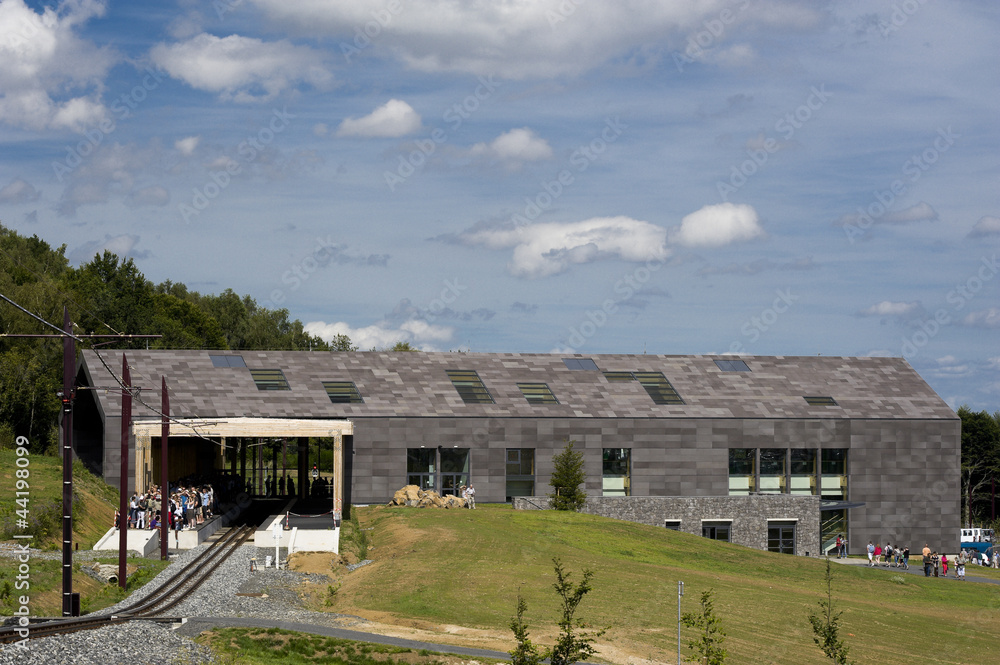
155,605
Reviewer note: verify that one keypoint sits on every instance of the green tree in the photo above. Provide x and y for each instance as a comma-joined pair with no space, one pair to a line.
980,461
571,646
708,645
567,476
525,652
826,626
341,342
116,298
403,346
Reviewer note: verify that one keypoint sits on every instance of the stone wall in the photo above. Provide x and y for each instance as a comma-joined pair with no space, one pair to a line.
748,515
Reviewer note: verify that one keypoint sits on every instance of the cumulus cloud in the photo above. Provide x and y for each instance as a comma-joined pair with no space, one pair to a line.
542,38
984,318
986,226
50,78
19,191
186,146
241,69
890,308
514,148
393,119
121,245
717,225
550,248
382,335
111,170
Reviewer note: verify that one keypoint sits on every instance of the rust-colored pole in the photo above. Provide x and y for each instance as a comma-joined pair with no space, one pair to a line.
123,483
164,478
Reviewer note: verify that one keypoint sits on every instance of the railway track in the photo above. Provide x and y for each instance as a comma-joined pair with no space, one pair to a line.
155,605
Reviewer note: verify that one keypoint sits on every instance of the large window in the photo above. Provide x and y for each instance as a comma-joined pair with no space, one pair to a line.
269,379
658,387
421,468
718,530
454,470
469,386
834,471
742,469
537,393
520,472
803,471
781,537
772,470
616,476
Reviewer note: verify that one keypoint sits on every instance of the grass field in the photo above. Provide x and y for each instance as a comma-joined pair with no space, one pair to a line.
465,568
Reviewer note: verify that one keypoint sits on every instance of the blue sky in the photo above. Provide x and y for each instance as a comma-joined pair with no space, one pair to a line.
748,176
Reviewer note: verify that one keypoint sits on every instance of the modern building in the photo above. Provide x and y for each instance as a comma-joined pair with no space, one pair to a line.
867,436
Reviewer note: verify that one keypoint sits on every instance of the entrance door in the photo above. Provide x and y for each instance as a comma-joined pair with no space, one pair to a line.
781,537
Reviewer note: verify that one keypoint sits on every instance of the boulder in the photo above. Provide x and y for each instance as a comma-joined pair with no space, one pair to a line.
411,495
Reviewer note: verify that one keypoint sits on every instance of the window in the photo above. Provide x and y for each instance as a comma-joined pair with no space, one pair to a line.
537,393
269,379
772,471
717,530
421,465
619,376
673,525
580,363
469,386
833,473
616,476
658,387
227,361
803,471
343,392
520,472
454,470
781,537
732,365
818,400
742,470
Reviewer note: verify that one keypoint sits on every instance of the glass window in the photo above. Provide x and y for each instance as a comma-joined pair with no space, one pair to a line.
580,363
227,361
732,365
454,470
537,393
772,470
658,387
833,469
269,379
803,469
343,392
716,530
520,472
616,472
781,537
469,386
742,470
820,400
619,376
421,465
673,525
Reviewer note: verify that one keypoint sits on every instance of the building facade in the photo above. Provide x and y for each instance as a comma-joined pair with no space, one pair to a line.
867,436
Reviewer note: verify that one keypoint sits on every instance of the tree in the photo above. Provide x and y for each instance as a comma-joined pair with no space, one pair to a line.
525,653
571,646
826,626
403,346
342,342
567,476
980,461
708,645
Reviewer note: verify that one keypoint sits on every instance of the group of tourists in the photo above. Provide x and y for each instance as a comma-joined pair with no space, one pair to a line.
187,507
888,556
937,564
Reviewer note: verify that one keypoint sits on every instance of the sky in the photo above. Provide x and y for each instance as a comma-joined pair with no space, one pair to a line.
761,177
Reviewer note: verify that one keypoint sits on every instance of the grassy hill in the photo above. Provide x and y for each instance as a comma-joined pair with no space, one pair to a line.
447,568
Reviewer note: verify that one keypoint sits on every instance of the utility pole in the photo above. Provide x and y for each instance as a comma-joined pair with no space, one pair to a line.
680,594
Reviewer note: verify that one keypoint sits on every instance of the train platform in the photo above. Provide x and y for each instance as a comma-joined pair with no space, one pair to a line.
300,532
147,541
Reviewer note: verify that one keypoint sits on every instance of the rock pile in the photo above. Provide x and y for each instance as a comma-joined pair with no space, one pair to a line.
411,495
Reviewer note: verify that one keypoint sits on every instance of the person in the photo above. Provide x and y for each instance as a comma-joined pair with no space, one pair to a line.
944,565
840,546
927,562
937,563
878,554
906,558
471,491
888,554
843,547
871,553
960,565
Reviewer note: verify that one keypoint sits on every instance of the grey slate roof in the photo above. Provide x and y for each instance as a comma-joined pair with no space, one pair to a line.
408,384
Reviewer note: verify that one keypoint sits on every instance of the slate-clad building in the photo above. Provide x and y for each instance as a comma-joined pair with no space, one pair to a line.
866,435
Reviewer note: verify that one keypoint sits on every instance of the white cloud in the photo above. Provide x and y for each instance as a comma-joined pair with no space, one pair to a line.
514,147
19,191
110,170
186,146
717,225
392,119
994,362
46,67
984,318
121,245
242,69
986,226
530,39
890,308
547,249
381,335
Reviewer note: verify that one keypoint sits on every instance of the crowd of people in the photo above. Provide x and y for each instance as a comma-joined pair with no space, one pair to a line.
888,556
190,503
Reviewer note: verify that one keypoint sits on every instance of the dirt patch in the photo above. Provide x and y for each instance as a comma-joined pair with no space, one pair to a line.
320,563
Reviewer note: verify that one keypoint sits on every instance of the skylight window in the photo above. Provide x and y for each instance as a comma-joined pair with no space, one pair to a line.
537,393
658,387
227,360
817,400
619,376
343,392
469,386
580,363
732,365
269,379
